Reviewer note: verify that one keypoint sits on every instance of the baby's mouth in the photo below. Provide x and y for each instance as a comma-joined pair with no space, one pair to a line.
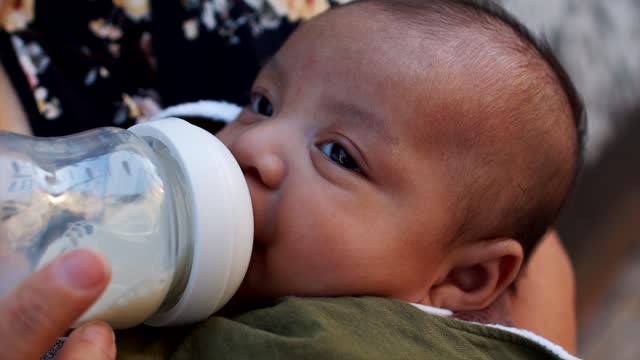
259,245
257,192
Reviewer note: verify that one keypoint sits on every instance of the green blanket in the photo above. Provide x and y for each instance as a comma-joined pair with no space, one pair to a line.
329,328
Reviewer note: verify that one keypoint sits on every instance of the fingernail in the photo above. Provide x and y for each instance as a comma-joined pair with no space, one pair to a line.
81,269
101,336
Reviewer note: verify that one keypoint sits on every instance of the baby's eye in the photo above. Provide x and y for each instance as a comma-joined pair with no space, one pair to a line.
260,104
339,155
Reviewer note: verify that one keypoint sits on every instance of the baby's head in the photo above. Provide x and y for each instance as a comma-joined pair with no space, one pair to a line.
407,149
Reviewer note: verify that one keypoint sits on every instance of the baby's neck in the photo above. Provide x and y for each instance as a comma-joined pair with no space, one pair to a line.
498,313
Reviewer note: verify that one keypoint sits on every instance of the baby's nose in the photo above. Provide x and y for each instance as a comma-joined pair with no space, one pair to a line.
268,169
260,151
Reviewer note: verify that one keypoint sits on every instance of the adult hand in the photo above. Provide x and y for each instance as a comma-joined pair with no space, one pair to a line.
45,305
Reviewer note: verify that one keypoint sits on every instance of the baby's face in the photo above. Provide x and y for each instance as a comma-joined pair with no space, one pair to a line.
348,197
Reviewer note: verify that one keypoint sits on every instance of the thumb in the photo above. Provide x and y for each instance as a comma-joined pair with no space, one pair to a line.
94,341
49,301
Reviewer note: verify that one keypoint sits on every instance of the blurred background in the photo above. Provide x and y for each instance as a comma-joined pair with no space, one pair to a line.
599,43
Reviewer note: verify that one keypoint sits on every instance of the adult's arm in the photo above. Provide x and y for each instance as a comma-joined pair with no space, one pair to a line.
544,302
12,116
45,305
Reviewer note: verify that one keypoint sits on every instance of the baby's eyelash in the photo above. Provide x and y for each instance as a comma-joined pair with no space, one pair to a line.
260,104
339,155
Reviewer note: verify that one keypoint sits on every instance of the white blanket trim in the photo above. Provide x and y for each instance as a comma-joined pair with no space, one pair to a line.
557,350
208,109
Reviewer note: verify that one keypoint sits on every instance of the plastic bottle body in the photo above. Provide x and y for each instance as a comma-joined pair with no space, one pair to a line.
164,201
106,190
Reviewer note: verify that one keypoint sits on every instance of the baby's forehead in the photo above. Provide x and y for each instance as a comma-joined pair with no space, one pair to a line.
448,77
433,47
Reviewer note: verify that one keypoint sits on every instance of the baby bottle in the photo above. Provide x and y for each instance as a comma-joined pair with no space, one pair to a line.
164,201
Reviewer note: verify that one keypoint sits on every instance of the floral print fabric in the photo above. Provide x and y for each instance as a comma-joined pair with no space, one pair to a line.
81,64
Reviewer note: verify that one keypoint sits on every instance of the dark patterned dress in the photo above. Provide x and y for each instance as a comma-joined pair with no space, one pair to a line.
81,64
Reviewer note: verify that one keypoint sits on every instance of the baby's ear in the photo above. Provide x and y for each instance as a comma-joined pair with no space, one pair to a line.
477,274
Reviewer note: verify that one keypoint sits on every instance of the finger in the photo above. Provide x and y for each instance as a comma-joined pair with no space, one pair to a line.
94,341
49,301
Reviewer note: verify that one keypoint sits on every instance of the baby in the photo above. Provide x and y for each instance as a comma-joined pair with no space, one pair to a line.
412,150
418,153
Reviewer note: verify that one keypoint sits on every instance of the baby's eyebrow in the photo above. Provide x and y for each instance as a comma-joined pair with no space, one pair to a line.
274,66
359,117
354,115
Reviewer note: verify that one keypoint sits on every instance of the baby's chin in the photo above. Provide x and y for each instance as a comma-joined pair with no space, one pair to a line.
254,288
262,285
249,297
258,290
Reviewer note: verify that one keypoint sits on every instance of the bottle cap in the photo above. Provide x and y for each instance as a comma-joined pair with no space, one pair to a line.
221,221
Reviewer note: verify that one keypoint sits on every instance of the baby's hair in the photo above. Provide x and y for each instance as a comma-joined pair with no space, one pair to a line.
518,209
